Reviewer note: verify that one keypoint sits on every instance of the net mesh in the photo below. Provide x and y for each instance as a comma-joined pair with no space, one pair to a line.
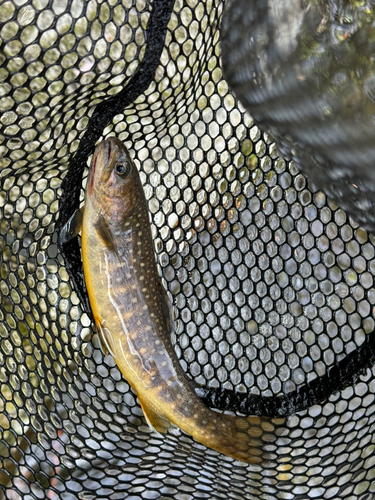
272,283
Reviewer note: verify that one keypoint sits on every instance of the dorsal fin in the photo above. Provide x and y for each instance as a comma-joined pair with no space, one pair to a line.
167,308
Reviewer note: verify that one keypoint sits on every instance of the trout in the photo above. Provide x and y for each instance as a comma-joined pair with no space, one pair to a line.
133,314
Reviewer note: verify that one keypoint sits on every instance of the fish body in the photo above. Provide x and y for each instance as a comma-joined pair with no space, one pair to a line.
132,314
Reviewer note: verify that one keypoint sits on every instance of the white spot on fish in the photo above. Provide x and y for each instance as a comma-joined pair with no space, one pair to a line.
145,307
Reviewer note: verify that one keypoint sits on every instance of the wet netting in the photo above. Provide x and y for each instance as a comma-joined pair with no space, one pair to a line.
271,281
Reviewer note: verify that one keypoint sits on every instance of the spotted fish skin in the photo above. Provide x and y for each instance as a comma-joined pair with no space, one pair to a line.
131,313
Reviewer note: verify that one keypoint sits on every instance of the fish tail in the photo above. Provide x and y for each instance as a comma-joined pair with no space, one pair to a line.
242,438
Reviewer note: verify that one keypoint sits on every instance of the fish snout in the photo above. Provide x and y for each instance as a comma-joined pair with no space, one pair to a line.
108,151
105,155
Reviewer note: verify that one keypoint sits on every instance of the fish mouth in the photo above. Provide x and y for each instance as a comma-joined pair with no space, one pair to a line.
105,156
105,150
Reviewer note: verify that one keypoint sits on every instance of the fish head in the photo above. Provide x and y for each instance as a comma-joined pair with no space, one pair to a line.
113,184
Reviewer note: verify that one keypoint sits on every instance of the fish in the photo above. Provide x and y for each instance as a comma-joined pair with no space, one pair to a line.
134,316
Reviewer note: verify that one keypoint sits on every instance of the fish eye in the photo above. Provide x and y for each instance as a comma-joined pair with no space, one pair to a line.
123,169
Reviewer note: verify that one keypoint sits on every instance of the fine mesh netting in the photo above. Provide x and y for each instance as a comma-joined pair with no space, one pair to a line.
271,281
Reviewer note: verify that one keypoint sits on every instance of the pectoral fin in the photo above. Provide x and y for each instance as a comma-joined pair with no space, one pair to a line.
72,227
157,422
105,234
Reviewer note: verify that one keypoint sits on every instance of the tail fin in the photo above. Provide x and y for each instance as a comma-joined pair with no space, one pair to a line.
241,438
